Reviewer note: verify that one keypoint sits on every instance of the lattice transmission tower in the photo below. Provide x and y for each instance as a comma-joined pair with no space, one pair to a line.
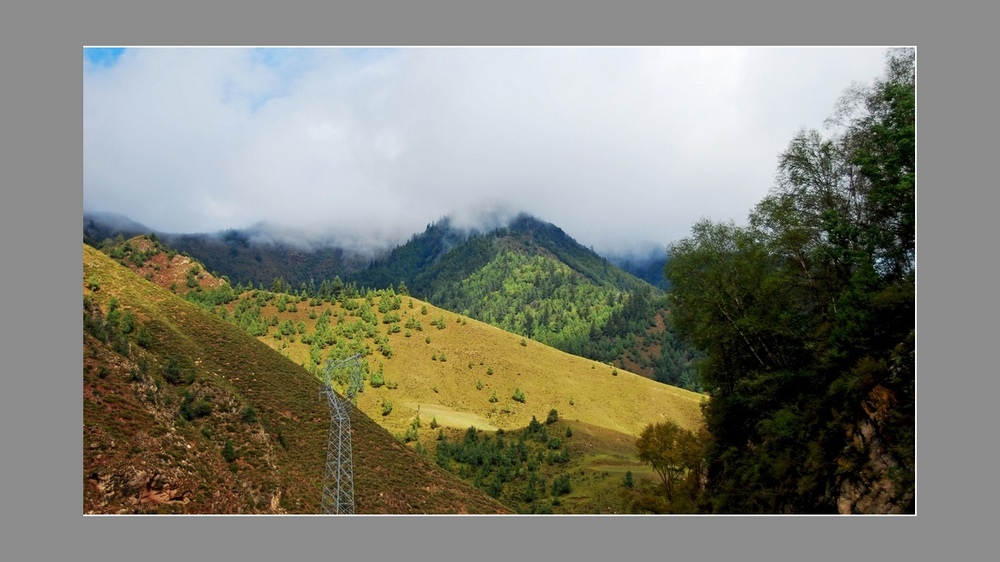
338,484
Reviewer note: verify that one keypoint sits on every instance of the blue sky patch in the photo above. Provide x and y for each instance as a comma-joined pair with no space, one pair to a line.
103,56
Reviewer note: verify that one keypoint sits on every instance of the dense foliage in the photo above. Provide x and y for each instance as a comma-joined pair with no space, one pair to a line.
514,467
806,317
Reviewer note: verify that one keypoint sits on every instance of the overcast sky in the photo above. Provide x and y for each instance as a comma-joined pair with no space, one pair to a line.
622,148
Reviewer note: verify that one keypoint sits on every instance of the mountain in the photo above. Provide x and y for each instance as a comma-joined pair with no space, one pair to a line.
243,258
533,279
528,277
186,413
249,256
429,375
101,227
432,262
647,267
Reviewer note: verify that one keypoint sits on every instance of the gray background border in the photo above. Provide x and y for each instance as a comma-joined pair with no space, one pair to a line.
42,223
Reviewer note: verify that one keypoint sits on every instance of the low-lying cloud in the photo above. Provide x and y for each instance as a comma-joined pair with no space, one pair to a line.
622,148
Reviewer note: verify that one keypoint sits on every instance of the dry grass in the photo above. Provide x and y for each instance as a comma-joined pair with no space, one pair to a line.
549,378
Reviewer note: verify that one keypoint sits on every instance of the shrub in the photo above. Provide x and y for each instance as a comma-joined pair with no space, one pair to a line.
628,481
249,415
228,452
479,384
560,485
553,416
127,322
377,379
518,395
411,434
493,397
191,410
172,371
386,407
569,431
489,371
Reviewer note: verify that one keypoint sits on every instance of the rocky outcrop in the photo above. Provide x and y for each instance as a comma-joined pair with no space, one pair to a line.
880,481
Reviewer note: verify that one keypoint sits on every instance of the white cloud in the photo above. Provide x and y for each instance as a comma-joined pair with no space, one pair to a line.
617,146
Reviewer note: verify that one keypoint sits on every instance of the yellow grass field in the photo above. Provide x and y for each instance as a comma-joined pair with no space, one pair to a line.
446,390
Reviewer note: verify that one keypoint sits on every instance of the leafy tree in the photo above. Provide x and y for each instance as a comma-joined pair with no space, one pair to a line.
670,450
806,316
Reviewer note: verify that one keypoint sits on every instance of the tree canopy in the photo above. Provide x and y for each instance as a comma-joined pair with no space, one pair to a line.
806,317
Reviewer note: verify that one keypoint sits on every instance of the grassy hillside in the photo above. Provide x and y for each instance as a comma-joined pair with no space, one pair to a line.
186,413
452,372
431,375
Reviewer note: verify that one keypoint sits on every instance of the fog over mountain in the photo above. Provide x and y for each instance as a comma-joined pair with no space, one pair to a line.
623,148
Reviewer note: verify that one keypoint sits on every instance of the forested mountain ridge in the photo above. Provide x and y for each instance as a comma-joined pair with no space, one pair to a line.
533,279
436,259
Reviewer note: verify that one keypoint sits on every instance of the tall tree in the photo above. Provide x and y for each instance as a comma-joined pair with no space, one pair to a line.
806,318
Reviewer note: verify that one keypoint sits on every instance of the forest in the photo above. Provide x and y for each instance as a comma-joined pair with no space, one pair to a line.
806,317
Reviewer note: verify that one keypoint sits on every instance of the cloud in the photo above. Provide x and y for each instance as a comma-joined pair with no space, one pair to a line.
620,147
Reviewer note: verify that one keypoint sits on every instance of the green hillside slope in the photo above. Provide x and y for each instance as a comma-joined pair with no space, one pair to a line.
186,413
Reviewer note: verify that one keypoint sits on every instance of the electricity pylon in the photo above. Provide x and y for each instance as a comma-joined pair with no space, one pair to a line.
338,484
